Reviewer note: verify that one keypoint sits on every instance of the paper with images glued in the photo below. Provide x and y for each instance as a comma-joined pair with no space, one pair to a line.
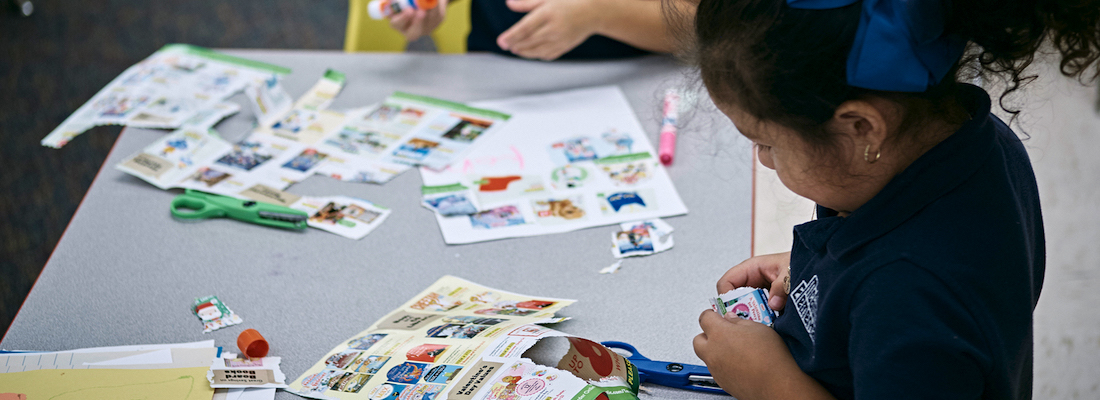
379,142
565,161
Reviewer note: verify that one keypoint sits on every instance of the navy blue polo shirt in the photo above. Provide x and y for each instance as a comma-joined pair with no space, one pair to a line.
490,18
927,290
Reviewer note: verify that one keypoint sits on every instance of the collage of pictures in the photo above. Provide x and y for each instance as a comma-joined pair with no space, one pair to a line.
535,178
309,139
377,143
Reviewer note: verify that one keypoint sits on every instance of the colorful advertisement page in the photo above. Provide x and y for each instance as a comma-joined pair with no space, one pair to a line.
423,348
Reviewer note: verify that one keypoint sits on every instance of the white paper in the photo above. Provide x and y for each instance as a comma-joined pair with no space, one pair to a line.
162,356
537,175
120,357
345,216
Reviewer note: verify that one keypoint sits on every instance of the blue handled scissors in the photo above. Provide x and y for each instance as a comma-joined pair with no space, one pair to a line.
670,374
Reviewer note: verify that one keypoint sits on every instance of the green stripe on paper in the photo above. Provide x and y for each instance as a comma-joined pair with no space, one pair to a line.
450,105
222,57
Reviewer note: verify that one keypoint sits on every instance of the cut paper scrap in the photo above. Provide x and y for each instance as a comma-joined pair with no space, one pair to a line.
613,268
745,303
345,216
565,161
641,238
214,314
308,120
79,384
171,86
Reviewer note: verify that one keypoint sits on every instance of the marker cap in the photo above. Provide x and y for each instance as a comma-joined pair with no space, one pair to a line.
252,344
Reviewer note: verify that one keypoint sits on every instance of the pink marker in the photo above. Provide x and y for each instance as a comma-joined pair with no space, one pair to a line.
667,145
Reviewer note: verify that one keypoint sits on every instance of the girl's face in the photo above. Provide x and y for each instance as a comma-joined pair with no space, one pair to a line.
800,167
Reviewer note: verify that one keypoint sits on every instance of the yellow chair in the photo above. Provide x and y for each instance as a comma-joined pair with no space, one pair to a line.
366,34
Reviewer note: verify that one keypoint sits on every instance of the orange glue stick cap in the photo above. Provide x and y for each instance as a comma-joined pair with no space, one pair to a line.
252,344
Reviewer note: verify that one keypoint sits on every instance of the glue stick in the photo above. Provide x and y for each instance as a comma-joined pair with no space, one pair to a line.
380,9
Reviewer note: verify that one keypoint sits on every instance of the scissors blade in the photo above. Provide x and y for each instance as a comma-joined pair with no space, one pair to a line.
277,216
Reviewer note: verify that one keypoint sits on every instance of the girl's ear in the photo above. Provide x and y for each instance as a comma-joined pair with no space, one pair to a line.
865,123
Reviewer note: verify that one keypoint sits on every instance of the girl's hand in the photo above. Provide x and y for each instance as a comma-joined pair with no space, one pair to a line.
770,271
750,361
550,28
416,23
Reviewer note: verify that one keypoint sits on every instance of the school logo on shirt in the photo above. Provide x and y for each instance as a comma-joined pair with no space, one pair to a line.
805,301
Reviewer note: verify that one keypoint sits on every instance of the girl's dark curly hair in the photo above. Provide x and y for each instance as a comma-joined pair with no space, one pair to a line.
788,65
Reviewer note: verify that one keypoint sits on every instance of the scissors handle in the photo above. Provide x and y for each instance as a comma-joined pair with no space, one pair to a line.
670,374
198,206
193,204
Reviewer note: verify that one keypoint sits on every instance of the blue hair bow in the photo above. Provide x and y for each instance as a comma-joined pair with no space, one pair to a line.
900,45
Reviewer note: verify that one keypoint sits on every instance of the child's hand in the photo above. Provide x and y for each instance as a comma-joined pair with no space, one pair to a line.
770,271
416,23
750,361
550,28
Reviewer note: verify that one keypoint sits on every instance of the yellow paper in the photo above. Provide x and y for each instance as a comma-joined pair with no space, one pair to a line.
131,384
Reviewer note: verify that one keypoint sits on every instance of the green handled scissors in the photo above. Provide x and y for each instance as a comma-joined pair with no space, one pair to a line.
206,205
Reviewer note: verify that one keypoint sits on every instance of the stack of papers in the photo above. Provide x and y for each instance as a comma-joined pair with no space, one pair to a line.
146,371
179,371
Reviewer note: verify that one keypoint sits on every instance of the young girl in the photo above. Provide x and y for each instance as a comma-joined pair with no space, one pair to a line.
919,276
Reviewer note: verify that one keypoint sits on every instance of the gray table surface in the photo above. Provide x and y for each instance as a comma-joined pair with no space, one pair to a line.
126,273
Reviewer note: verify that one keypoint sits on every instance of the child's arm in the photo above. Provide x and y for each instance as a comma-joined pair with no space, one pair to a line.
553,27
750,361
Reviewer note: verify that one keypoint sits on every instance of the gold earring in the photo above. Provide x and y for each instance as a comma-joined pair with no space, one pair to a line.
867,155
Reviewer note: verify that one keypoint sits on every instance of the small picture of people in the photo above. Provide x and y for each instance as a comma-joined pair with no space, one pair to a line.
208,176
308,159
467,129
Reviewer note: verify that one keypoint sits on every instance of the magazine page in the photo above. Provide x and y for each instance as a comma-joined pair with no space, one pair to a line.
166,89
429,341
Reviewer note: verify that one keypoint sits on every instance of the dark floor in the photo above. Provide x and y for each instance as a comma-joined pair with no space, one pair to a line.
56,59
